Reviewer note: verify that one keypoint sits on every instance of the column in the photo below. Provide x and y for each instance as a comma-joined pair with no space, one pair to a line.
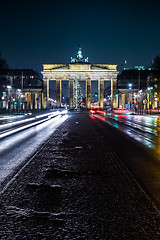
114,91
36,100
45,99
111,93
100,92
58,93
28,101
71,93
88,93
40,100
31,106
33,101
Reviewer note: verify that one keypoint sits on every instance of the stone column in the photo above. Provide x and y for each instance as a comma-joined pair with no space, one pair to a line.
45,99
114,91
29,101
58,93
33,101
71,93
36,97
111,93
88,93
40,99
100,92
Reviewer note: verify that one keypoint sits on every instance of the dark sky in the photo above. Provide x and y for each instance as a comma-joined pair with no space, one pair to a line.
37,32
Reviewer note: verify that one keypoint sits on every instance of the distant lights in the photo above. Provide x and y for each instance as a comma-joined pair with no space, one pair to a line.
140,67
130,85
52,100
150,88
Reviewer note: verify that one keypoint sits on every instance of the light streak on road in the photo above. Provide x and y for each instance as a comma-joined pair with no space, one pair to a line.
6,129
144,129
11,117
16,148
12,124
20,129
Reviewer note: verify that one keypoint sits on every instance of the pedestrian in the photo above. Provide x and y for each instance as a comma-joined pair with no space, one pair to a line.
135,109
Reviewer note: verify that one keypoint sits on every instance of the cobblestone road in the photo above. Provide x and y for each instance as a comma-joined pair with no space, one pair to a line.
76,188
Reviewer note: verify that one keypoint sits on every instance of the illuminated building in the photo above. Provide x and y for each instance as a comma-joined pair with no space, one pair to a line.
80,70
21,90
134,89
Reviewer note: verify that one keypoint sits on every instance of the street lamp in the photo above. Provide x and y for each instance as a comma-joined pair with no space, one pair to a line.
150,98
19,92
130,87
22,102
9,98
140,101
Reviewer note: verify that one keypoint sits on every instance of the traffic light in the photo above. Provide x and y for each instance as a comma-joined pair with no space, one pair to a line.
96,95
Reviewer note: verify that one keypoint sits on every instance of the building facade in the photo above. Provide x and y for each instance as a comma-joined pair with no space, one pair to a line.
21,90
79,70
136,89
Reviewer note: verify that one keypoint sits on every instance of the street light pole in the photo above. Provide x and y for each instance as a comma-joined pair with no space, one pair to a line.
9,98
150,98
130,87
19,92
22,82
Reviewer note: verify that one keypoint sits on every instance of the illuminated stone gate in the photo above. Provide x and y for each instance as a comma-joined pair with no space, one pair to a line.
79,69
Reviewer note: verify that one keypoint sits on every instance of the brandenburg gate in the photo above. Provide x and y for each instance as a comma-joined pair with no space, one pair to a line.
79,69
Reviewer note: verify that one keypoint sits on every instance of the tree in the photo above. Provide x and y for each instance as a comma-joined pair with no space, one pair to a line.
156,63
3,71
156,70
156,78
3,64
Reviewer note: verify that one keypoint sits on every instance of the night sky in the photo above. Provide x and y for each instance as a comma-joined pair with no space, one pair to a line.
37,32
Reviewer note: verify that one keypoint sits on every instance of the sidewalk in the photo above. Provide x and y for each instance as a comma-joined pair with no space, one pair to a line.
76,188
